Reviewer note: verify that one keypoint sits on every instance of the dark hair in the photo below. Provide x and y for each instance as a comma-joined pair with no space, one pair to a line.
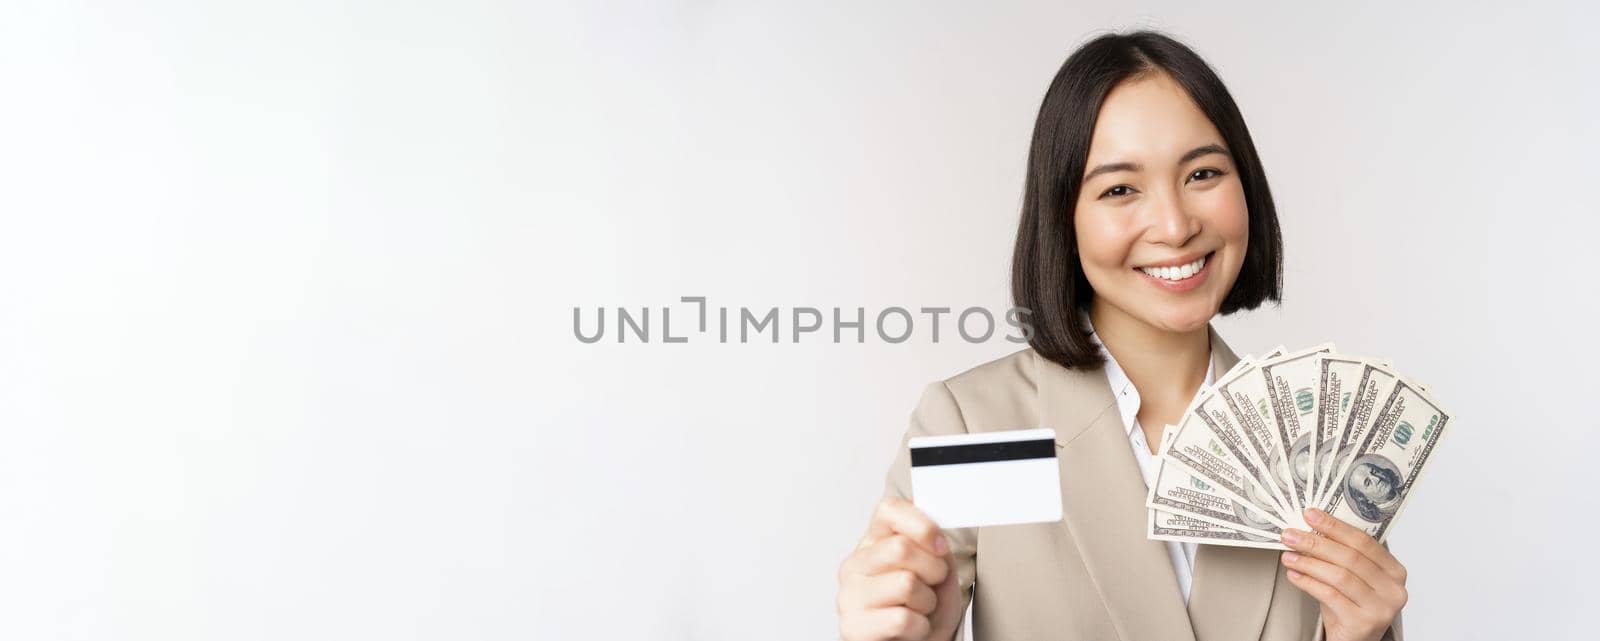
1046,276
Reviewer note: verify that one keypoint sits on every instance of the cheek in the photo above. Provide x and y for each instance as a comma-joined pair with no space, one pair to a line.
1225,211
1103,241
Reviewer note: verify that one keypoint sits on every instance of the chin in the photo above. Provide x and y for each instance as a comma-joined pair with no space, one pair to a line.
1183,321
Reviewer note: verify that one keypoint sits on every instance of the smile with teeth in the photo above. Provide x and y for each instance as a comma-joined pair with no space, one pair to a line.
1179,272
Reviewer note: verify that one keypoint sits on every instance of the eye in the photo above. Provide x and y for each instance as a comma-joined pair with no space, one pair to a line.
1200,174
1115,194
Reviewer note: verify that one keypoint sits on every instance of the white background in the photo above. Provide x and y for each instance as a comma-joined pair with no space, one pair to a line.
286,296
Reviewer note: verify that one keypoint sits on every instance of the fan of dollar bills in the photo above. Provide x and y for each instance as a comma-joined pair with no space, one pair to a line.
1289,431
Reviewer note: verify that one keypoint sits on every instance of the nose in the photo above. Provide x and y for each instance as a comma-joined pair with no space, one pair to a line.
1171,223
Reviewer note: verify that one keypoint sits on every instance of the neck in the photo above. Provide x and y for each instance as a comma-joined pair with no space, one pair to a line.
1160,363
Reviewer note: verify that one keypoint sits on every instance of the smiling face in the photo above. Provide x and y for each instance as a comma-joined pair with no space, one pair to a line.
1161,221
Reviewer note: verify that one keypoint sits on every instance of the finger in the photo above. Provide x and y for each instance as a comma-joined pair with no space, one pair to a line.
1327,549
896,515
895,623
1358,540
1341,579
900,587
1325,594
898,553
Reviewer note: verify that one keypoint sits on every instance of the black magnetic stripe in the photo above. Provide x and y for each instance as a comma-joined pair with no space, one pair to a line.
982,452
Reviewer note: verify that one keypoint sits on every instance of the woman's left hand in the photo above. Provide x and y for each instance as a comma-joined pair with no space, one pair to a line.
1360,585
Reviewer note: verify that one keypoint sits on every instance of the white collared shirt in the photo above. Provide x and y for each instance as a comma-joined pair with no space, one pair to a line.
1182,554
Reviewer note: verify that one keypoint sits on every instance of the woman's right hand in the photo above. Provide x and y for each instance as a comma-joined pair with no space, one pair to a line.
900,582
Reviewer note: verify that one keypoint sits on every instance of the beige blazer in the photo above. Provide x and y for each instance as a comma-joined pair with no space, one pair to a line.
1093,576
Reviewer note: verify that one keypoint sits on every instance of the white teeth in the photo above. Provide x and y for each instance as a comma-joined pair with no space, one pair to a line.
1176,273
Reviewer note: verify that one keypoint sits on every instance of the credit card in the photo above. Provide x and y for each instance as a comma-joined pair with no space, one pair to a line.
987,478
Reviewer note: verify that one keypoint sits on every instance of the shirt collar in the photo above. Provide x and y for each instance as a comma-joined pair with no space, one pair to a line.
1122,387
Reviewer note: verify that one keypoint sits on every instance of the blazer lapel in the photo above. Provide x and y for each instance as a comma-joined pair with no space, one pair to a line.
1231,592
1232,586
1104,517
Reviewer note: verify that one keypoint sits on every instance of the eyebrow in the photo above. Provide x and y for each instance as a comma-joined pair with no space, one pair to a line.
1133,166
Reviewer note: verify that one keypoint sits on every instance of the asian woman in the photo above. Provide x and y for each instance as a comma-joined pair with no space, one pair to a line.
1145,215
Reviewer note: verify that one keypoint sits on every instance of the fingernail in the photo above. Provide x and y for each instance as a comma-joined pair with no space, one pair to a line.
1293,574
1290,557
1291,537
940,545
1314,516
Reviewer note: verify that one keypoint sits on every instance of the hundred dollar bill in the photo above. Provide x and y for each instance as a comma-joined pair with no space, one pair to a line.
1214,412
1247,397
1373,388
1166,526
1208,446
1337,378
1292,391
1378,481
1179,492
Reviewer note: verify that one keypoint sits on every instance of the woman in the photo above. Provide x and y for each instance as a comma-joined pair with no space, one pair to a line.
1146,214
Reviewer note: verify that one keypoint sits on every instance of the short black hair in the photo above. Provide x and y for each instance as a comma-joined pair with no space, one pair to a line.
1047,278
